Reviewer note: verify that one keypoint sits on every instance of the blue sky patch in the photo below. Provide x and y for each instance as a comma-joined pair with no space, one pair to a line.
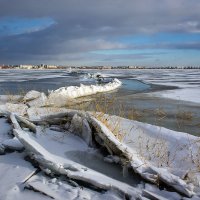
15,26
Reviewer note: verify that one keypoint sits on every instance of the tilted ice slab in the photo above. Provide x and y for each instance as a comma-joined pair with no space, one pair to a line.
64,190
54,159
35,99
138,163
178,152
71,92
153,152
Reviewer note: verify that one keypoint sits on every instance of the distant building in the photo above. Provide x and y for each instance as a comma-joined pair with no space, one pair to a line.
51,67
25,66
132,67
106,67
5,67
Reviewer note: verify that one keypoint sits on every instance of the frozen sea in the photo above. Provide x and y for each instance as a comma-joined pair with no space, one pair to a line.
169,98
16,81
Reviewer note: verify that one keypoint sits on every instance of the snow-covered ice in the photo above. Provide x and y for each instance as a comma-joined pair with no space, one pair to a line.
183,94
187,81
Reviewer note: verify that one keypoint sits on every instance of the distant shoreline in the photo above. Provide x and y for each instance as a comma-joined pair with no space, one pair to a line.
117,68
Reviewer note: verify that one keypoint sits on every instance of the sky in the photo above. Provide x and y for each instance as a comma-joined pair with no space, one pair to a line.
100,32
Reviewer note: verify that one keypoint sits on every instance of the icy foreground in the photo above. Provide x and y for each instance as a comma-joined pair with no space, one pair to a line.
54,152
158,155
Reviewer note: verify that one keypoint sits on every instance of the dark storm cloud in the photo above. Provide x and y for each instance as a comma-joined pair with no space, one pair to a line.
82,26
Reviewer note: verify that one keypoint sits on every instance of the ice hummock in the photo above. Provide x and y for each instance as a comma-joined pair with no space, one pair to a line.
71,92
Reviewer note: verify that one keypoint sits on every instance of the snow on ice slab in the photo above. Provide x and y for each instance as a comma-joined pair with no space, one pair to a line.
78,171
148,170
62,190
19,109
13,171
35,99
38,102
162,147
53,159
35,113
31,95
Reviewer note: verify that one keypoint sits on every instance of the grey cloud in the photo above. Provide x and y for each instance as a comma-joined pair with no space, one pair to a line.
163,45
125,16
84,26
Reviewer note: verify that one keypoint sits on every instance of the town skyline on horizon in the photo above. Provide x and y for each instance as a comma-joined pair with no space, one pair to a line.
103,67
100,33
